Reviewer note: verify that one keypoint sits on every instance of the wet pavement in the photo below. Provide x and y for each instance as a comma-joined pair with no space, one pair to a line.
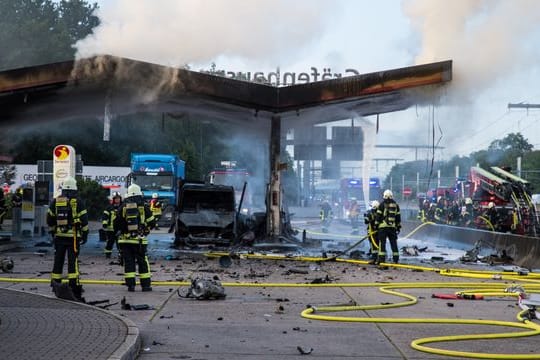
258,319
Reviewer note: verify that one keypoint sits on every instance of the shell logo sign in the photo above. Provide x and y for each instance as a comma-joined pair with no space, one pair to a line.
64,161
61,152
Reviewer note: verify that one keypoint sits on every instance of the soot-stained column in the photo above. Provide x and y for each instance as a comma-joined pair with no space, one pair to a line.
274,205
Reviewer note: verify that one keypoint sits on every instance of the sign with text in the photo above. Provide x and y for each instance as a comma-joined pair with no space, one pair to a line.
63,166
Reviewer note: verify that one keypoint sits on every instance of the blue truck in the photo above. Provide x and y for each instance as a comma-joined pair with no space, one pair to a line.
161,174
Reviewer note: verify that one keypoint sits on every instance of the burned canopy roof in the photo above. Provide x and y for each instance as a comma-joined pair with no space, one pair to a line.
85,87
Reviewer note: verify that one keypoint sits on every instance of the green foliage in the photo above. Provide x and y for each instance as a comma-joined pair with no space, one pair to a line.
501,152
94,196
35,32
7,174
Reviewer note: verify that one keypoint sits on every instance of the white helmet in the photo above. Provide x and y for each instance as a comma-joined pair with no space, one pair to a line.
388,194
468,201
374,204
491,205
154,195
134,190
69,184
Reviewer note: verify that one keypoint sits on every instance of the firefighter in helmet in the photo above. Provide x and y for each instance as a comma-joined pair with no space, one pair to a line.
492,215
107,220
68,223
326,215
370,221
156,207
388,221
133,223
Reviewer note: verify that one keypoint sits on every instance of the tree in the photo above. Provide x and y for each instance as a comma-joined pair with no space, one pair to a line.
7,174
42,31
94,196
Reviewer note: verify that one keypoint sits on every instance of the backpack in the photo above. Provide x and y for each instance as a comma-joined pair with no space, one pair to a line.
390,213
133,217
64,212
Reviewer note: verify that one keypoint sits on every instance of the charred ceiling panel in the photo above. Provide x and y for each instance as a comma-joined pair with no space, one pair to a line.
82,88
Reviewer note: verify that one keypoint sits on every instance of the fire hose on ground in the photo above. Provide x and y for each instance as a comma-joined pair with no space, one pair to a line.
527,282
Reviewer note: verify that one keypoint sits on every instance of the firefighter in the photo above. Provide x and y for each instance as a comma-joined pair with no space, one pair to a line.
68,223
492,215
423,213
133,223
370,221
465,217
109,214
354,213
440,211
326,215
388,222
155,206
16,198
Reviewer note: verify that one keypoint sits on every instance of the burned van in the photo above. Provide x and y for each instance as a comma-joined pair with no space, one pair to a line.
205,214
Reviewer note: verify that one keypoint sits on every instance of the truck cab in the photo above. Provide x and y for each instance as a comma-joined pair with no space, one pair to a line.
160,174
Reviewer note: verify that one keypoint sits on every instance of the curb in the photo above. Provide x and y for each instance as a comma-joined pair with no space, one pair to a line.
131,345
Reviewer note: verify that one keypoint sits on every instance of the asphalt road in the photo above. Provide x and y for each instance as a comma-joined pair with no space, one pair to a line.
260,316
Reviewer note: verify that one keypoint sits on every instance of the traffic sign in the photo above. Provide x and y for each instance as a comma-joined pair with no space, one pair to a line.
407,191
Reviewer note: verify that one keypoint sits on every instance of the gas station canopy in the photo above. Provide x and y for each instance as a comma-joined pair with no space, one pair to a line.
84,88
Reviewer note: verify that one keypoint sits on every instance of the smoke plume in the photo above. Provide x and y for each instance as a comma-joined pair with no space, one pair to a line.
490,43
179,32
488,40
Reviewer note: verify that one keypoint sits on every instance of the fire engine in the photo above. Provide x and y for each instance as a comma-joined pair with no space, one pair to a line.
229,175
351,189
510,194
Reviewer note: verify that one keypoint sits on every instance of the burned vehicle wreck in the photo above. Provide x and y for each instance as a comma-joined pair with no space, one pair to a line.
205,214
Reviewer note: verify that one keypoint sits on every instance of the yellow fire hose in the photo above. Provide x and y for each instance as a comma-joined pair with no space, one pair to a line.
529,282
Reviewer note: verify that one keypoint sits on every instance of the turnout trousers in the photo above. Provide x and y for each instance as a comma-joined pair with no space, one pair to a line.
389,233
134,256
63,247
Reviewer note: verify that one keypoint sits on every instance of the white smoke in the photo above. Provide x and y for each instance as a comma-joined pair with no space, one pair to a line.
491,45
487,39
179,32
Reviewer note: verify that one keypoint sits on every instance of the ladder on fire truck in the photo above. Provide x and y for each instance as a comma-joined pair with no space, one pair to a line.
520,195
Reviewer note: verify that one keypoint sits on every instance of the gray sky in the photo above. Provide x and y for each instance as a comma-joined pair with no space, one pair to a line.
493,43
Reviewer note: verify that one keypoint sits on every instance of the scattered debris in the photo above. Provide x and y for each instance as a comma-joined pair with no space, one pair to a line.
157,343
166,317
205,289
296,271
412,250
225,261
304,352
97,302
7,265
324,280
125,305
107,306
